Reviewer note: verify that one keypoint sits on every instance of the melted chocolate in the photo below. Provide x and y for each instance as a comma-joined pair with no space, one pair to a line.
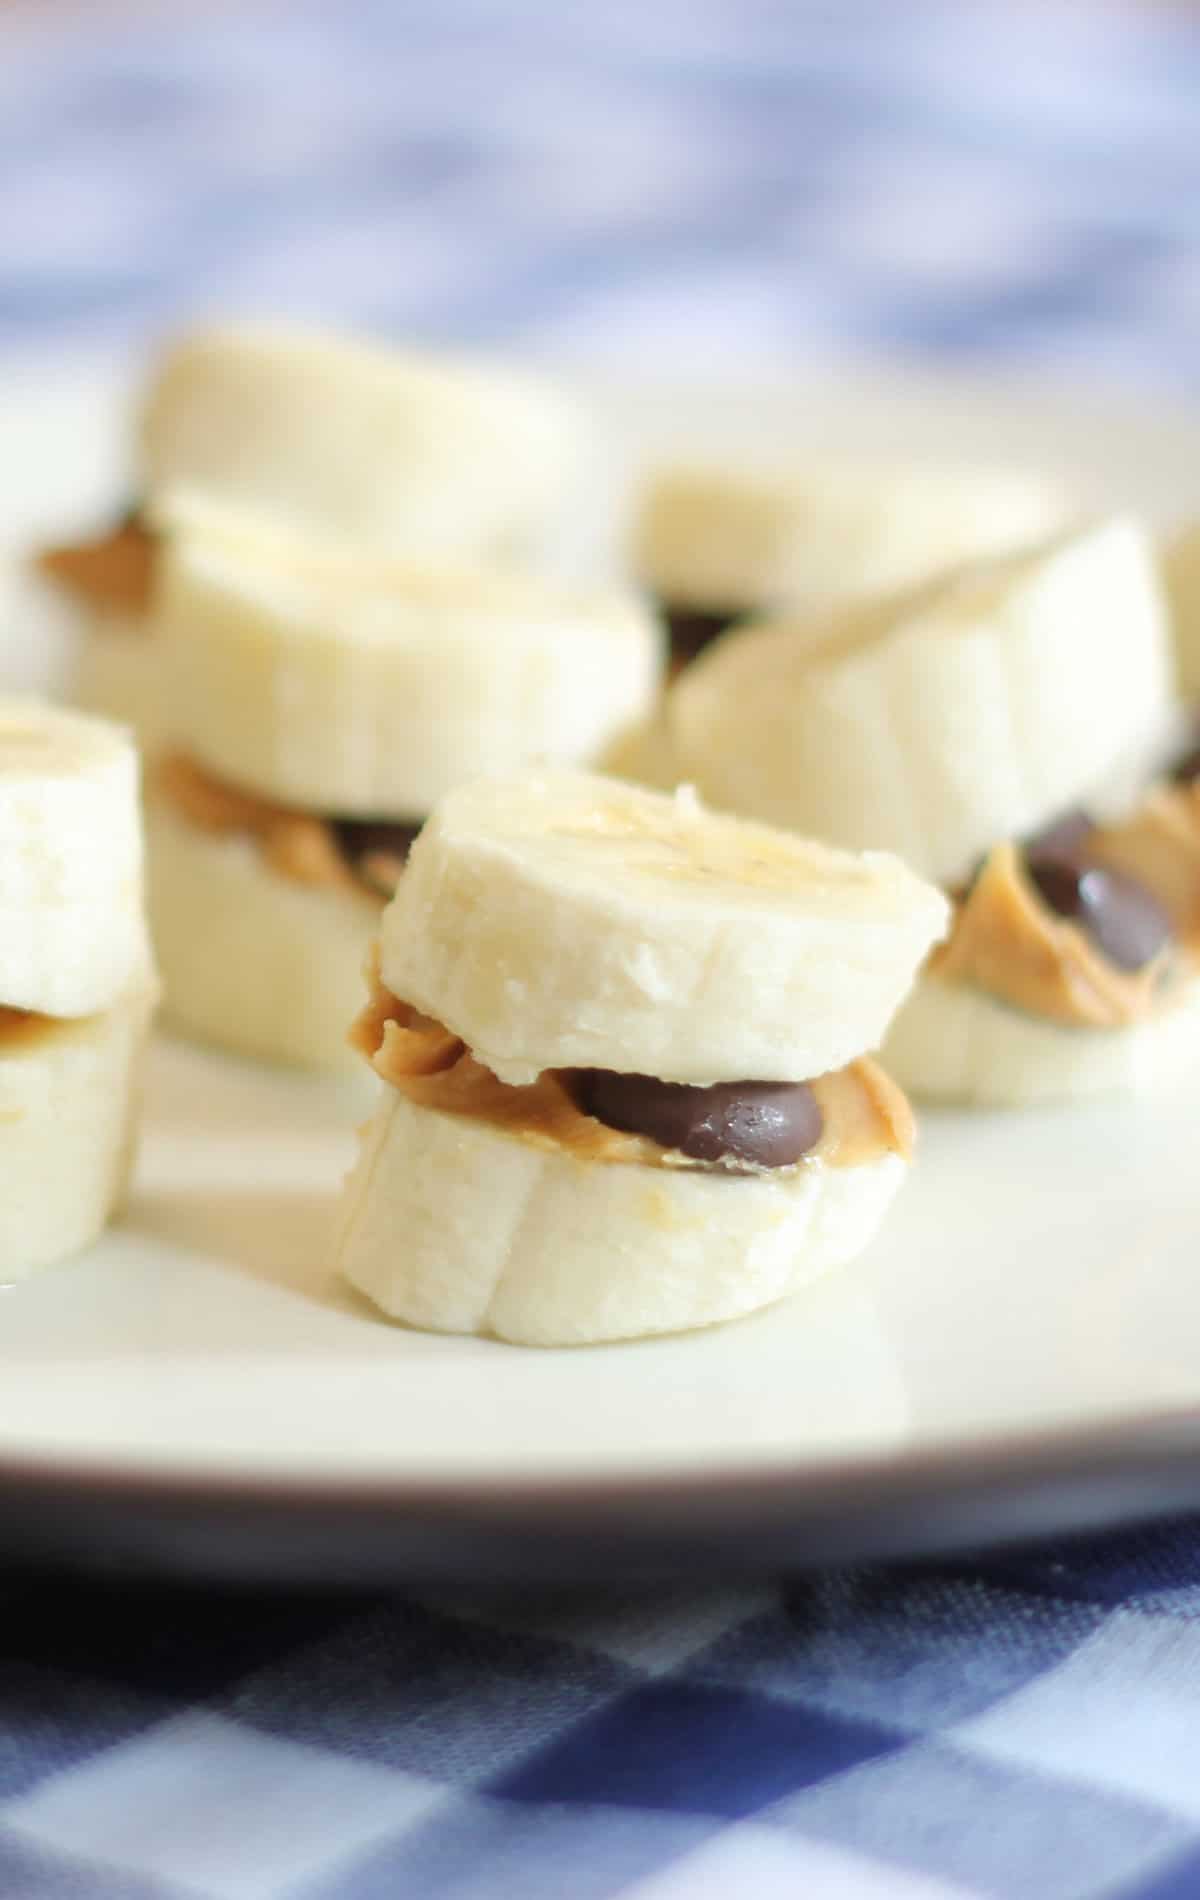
1186,770
690,630
1120,915
769,1124
1065,840
362,840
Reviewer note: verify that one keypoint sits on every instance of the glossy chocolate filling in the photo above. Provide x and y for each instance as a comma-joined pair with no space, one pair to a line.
764,1124
1186,770
1122,918
374,848
690,630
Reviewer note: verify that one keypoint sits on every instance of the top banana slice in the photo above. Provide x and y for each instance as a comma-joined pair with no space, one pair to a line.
359,686
558,919
72,935
709,538
936,722
384,449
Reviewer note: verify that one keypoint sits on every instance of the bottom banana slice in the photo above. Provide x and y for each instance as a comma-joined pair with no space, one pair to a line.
952,1042
253,961
118,674
68,1100
454,1224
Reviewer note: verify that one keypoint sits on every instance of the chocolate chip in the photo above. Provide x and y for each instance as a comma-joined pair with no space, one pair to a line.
1065,839
768,1123
361,841
1187,769
1120,915
690,630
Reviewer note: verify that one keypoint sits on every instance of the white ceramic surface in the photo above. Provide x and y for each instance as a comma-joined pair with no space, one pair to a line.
1037,1275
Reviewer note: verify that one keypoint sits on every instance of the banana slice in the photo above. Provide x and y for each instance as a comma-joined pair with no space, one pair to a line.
68,1094
708,538
555,920
360,687
456,1225
253,961
117,675
396,451
936,722
643,754
1181,576
72,933
953,1043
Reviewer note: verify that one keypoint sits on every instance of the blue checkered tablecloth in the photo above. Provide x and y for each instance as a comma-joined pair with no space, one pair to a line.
1022,1726
717,183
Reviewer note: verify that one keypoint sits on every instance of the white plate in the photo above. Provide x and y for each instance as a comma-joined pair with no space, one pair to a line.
1018,1351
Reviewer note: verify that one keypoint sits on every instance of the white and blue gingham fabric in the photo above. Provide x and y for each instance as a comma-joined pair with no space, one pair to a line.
1023,1727
720,184
709,183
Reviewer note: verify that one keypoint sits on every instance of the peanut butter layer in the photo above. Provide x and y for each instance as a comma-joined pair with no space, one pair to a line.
23,1028
864,1114
1160,846
112,574
295,844
1006,941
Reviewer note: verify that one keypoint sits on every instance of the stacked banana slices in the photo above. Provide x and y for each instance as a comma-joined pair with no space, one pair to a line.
715,544
995,727
382,450
575,980
319,704
77,983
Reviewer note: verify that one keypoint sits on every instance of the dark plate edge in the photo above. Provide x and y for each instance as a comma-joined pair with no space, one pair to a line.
301,1531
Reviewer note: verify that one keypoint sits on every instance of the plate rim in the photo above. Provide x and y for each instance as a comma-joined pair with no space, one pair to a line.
1007,1490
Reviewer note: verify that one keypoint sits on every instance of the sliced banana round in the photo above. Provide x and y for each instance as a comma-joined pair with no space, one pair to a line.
457,1225
68,1100
724,539
254,961
643,754
361,687
388,449
935,722
72,932
1181,575
555,920
117,674
951,1042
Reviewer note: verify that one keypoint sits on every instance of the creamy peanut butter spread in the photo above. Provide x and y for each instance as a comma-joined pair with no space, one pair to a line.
1009,943
21,1027
297,844
112,574
864,1114
1160,846
1006,941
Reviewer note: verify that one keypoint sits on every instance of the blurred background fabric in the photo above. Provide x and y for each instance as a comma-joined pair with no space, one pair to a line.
705,183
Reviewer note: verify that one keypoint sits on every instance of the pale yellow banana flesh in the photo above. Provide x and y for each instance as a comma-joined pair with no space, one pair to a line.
72,929
936,723
252,961
451,1224
556,920
68,1106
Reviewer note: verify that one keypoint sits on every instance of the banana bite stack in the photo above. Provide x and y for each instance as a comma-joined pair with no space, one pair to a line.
716,544
623,1047
318,705
77,983
381,449
1005,728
